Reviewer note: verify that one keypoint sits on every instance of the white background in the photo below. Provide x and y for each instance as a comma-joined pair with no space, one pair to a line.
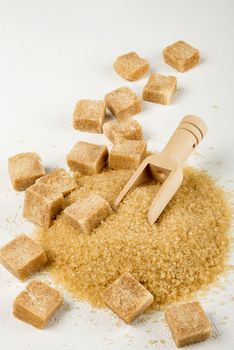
53,53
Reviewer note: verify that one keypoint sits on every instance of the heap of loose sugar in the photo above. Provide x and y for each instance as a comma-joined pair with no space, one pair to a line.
185,250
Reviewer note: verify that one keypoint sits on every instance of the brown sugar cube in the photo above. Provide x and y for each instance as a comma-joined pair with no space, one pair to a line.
159,89
188,323
37,304
59,180
117,131
127,154
88,213
181,56
24,169
42,204
127,297
89,115
131,66
123,103
22,257
87,158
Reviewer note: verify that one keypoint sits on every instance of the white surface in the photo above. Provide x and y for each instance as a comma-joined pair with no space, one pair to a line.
53,53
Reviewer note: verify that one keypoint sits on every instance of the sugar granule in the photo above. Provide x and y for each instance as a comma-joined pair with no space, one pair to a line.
185,250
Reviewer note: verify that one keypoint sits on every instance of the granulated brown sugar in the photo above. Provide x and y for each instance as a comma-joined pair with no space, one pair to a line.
185,250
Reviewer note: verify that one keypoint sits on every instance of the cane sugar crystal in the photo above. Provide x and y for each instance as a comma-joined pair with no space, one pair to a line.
186,250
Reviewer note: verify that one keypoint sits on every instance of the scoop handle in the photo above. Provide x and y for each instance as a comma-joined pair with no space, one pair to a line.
186,137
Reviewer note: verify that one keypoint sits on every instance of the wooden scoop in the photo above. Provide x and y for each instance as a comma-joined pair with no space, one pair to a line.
166,167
